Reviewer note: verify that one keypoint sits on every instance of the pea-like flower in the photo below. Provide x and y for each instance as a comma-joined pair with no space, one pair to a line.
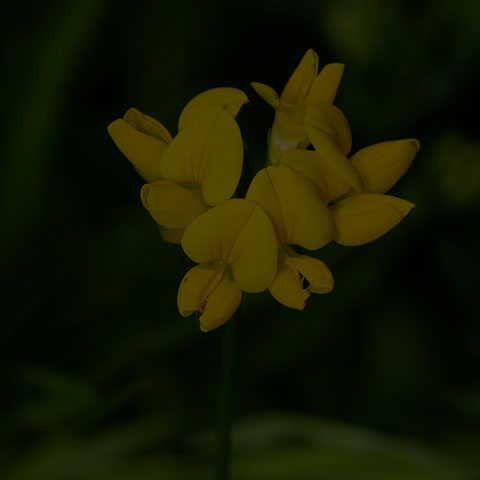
188,173
142,139
300,217
235,246
360,217
304,88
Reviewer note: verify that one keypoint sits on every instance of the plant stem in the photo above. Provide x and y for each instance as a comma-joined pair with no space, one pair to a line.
222,466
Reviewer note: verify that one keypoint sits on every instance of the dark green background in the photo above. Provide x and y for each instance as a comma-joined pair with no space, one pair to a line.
102,379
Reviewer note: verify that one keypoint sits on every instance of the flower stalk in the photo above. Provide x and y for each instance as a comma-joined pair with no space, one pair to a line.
224,421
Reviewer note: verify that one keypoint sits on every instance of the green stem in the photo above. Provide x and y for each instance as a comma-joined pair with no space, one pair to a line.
222,466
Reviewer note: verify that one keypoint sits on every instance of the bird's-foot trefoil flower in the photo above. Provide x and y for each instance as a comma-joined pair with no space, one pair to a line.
360,217
189,173
300,217
235,246
142,139
305,87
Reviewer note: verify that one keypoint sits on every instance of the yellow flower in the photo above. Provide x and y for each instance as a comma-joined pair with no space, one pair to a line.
360,217
300,217
303,197
190,173
235,246
304,88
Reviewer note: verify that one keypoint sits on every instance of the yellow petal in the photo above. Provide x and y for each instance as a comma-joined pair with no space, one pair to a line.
197,284
237,231
335,159
324,87
328,119
383,164
221,303
144,151
314,270
148,125
231,99
299,83
287,286
308,221
266,92
363,218
314,167
211,236
329,133
172,206
263,192
208,152
295,207
171,236
253,257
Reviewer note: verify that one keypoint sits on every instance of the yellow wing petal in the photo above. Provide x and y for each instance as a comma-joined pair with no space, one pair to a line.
208,152
266,92
324,87
365,217
172,206
383,164
237,231
314,270
229,98
197,284
301,79
221,303
313,166
287,287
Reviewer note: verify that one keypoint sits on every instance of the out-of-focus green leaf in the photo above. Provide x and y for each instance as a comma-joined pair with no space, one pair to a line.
43,67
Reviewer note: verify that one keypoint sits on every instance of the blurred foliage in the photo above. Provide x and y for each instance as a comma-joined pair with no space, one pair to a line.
101,376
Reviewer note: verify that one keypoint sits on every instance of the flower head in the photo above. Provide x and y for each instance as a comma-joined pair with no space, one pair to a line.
304,198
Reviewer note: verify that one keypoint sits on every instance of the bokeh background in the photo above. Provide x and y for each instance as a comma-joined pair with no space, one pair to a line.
100,376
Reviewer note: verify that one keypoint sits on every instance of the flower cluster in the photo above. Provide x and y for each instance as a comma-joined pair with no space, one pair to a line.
309,194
